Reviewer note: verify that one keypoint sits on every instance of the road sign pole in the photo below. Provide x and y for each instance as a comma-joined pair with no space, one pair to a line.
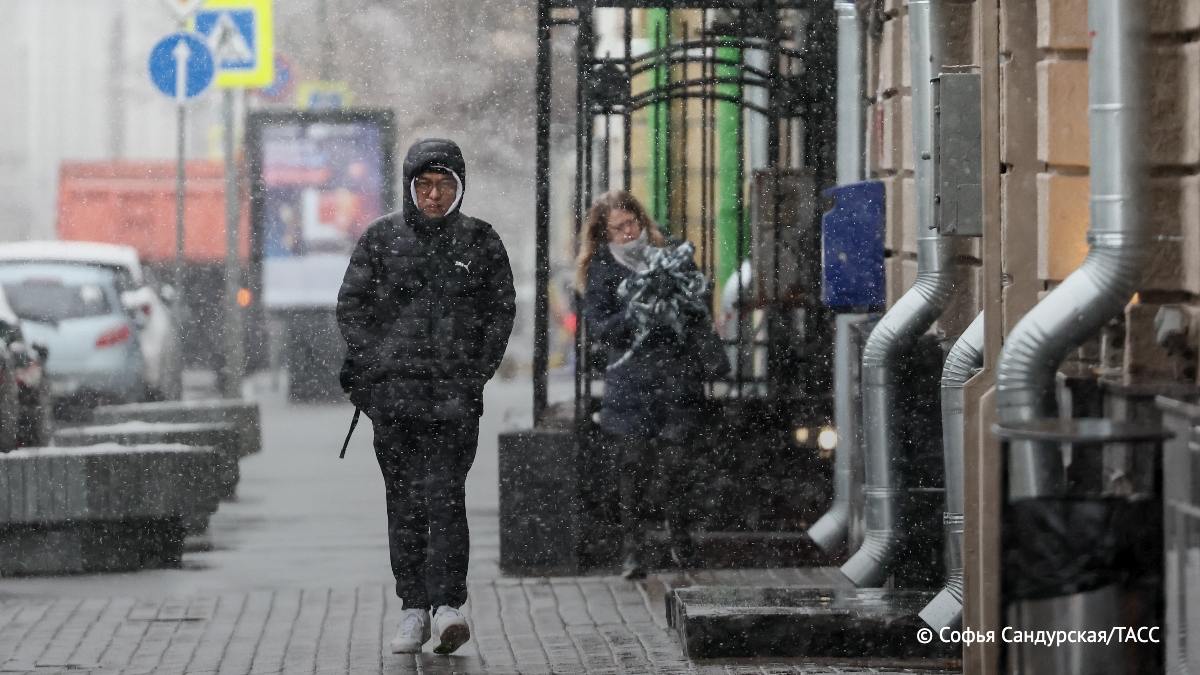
180,128
180,67
233,312
181,54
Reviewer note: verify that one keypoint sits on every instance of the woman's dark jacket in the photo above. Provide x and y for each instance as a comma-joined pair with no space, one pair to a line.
426,306
658,392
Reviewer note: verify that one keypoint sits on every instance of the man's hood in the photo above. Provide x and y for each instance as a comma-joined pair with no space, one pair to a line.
426,154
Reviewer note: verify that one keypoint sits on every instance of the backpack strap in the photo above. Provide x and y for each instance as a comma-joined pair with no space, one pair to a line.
353,423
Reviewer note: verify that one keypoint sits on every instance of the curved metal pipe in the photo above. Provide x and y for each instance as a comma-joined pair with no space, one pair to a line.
911,316
829,532
1099,289
945,610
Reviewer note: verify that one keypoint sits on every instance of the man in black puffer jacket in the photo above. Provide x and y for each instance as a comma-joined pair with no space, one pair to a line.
426,309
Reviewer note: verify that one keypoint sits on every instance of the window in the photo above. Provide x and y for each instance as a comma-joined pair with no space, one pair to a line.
50,299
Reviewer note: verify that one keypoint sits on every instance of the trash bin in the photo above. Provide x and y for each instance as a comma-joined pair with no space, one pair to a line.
1085,558
558,501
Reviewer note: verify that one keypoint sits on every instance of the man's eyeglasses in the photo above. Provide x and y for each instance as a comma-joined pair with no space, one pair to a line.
424,186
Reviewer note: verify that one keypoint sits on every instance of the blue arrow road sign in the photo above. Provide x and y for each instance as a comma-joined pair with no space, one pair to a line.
181,66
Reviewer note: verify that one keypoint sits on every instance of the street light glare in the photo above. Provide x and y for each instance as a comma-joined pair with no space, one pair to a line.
827,439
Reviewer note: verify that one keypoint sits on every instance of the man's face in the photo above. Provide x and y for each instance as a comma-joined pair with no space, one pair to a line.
435,193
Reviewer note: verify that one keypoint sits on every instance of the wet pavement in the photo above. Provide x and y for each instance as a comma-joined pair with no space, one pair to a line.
293,577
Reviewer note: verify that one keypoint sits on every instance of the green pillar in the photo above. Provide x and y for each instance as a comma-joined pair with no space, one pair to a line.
730,209
659,121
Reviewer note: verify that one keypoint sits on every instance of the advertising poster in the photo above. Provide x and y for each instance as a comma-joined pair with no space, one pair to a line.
321,179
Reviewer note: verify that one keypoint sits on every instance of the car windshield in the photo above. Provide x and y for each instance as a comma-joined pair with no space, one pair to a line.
51,299
122,276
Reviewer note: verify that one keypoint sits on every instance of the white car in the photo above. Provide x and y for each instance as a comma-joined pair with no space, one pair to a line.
158,334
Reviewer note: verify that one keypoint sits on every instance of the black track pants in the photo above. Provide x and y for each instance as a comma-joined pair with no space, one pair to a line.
424,467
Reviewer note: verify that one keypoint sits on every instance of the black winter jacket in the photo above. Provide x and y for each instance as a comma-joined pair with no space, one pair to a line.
426,306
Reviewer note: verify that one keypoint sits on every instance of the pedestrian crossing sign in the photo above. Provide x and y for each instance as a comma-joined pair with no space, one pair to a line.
240,34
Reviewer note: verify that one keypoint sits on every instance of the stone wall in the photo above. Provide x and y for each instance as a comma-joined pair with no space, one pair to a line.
890,145
1045,155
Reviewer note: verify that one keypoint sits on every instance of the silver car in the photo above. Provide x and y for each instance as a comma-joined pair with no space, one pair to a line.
76,312
157,332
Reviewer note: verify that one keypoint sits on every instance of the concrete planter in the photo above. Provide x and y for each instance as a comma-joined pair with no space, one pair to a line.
221,437
242,415
101,508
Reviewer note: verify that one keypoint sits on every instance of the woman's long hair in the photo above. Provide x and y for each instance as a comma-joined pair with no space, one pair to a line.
595,229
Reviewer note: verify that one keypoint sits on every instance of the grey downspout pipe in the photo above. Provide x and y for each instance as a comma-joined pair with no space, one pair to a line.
966,356
908,319
850,121
1099,289
829,532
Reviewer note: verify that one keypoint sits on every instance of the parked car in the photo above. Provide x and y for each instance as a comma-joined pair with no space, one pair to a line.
33,394
158,334
76,312
10,407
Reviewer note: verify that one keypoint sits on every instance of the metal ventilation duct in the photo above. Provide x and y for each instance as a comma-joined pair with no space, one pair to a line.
912,315
829,532
945,610
1099,289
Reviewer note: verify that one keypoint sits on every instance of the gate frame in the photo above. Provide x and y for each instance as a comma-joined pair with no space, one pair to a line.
816,315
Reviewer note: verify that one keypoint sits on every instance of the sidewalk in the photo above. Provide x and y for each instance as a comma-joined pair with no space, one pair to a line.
293,578
562,625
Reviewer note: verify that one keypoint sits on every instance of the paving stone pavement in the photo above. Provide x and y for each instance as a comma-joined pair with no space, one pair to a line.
292,579
532,625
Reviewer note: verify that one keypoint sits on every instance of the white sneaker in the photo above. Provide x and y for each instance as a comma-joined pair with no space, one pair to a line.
450,628
413,632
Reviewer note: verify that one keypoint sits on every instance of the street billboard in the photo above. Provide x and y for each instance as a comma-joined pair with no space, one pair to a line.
317,180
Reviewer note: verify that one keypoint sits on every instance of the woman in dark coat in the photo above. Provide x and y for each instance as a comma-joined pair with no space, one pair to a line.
653,390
